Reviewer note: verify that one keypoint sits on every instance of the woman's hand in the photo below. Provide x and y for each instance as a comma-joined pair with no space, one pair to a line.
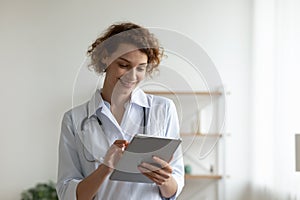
114,153
162,176
89,186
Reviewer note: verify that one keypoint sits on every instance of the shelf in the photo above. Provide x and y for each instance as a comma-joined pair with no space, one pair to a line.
201,135
205,93
197,177
202,140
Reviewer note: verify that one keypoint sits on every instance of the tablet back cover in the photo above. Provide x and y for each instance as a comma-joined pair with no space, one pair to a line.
141,149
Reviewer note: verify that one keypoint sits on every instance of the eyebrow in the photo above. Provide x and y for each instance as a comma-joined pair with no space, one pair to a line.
124,59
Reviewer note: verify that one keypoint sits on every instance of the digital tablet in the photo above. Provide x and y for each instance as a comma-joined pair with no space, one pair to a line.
141,149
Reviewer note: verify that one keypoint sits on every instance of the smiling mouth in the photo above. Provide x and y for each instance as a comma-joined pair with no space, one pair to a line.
128,84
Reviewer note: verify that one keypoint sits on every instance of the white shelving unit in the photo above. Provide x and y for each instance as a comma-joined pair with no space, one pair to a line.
203,144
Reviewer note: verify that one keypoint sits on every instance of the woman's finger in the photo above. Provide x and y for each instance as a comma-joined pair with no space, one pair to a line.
156,171
160,161
165,165
152,175
121,143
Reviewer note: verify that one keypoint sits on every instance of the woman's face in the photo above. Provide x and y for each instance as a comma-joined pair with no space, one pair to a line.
126,68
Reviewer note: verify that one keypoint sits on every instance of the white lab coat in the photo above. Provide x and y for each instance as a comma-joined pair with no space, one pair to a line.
78,148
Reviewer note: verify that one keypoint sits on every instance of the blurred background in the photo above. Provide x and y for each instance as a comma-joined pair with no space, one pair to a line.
254,45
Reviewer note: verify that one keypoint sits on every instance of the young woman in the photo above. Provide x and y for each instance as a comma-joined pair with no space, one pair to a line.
95,134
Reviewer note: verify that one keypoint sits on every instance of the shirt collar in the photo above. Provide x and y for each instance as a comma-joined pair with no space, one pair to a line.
95,103
138,97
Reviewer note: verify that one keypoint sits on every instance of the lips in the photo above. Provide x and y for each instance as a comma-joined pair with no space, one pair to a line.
128,84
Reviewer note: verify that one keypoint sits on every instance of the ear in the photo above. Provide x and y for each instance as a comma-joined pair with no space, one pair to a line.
105,60
105,57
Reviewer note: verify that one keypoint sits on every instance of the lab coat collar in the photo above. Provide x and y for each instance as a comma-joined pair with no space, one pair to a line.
95,103
138,97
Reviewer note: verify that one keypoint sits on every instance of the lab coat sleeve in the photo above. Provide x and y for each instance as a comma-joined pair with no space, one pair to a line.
69,171
172,130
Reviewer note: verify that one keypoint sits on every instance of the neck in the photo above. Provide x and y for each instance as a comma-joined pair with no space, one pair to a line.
115,97
117,101
106,94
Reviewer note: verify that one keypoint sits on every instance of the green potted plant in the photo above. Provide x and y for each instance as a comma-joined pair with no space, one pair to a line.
42,191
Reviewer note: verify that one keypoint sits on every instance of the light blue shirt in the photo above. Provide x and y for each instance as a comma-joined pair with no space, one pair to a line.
78,149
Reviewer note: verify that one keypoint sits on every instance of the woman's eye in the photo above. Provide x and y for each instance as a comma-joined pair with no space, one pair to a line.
123,65
141,69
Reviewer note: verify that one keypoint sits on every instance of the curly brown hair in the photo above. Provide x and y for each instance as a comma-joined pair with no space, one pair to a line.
128,33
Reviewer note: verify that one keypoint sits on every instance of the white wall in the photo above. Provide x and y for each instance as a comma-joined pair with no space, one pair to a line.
43,44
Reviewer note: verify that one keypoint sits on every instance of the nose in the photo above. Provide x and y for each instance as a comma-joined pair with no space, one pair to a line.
131,74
